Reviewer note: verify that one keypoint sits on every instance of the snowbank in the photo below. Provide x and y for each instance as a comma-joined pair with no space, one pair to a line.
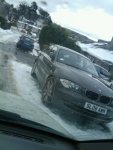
35,50
9,35
98,52
5,31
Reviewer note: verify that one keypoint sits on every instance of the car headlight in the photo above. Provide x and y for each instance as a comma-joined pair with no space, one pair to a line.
67,84
70,85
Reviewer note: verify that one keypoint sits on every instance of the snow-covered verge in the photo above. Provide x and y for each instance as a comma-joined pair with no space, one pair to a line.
9,35
98,52
28,89
35,50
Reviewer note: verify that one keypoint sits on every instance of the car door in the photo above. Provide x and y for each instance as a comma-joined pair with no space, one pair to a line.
40,68
48,61
48,67
43,67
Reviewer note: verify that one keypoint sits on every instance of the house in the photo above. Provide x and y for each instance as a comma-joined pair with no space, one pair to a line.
30,26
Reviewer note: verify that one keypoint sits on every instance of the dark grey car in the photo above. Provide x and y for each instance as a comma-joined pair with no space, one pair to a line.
71,80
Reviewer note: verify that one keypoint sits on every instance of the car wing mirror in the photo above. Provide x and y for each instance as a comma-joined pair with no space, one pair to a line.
52,56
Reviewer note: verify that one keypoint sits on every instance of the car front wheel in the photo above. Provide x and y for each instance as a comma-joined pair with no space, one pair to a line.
48,91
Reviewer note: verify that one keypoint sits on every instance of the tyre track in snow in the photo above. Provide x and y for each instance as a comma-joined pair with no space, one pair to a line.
7,83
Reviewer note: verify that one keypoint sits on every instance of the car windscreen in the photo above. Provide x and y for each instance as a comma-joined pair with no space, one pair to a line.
28,40
77,61
48,49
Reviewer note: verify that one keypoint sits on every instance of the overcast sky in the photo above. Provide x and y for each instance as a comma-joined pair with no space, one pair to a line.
90,16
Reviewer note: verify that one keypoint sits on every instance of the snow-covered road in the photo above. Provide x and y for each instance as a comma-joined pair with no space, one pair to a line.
9,35
29,91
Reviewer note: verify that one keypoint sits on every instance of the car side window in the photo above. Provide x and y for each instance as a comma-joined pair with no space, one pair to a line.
104,72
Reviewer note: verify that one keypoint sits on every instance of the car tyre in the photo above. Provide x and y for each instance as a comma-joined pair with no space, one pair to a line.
48,91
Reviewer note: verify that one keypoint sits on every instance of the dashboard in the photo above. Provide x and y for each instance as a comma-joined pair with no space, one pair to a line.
18,137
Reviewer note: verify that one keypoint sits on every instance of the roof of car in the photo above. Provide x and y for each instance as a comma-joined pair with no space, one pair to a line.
71,50
27,36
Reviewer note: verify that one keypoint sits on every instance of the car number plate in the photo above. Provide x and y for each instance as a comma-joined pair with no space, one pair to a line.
95,108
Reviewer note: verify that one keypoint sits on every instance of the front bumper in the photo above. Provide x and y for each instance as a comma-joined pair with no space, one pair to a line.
76,102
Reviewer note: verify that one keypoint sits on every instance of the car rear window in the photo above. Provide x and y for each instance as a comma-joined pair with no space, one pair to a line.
28,39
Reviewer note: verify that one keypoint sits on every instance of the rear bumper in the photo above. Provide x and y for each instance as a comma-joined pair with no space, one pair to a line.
76,102
25,47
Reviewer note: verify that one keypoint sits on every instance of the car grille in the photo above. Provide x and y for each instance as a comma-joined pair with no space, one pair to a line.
94,96
105,100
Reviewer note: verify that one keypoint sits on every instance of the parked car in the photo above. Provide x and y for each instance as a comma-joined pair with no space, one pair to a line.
111,85
70,80
102,72
25,43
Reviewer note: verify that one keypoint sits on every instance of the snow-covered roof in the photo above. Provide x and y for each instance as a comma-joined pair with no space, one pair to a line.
28,24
